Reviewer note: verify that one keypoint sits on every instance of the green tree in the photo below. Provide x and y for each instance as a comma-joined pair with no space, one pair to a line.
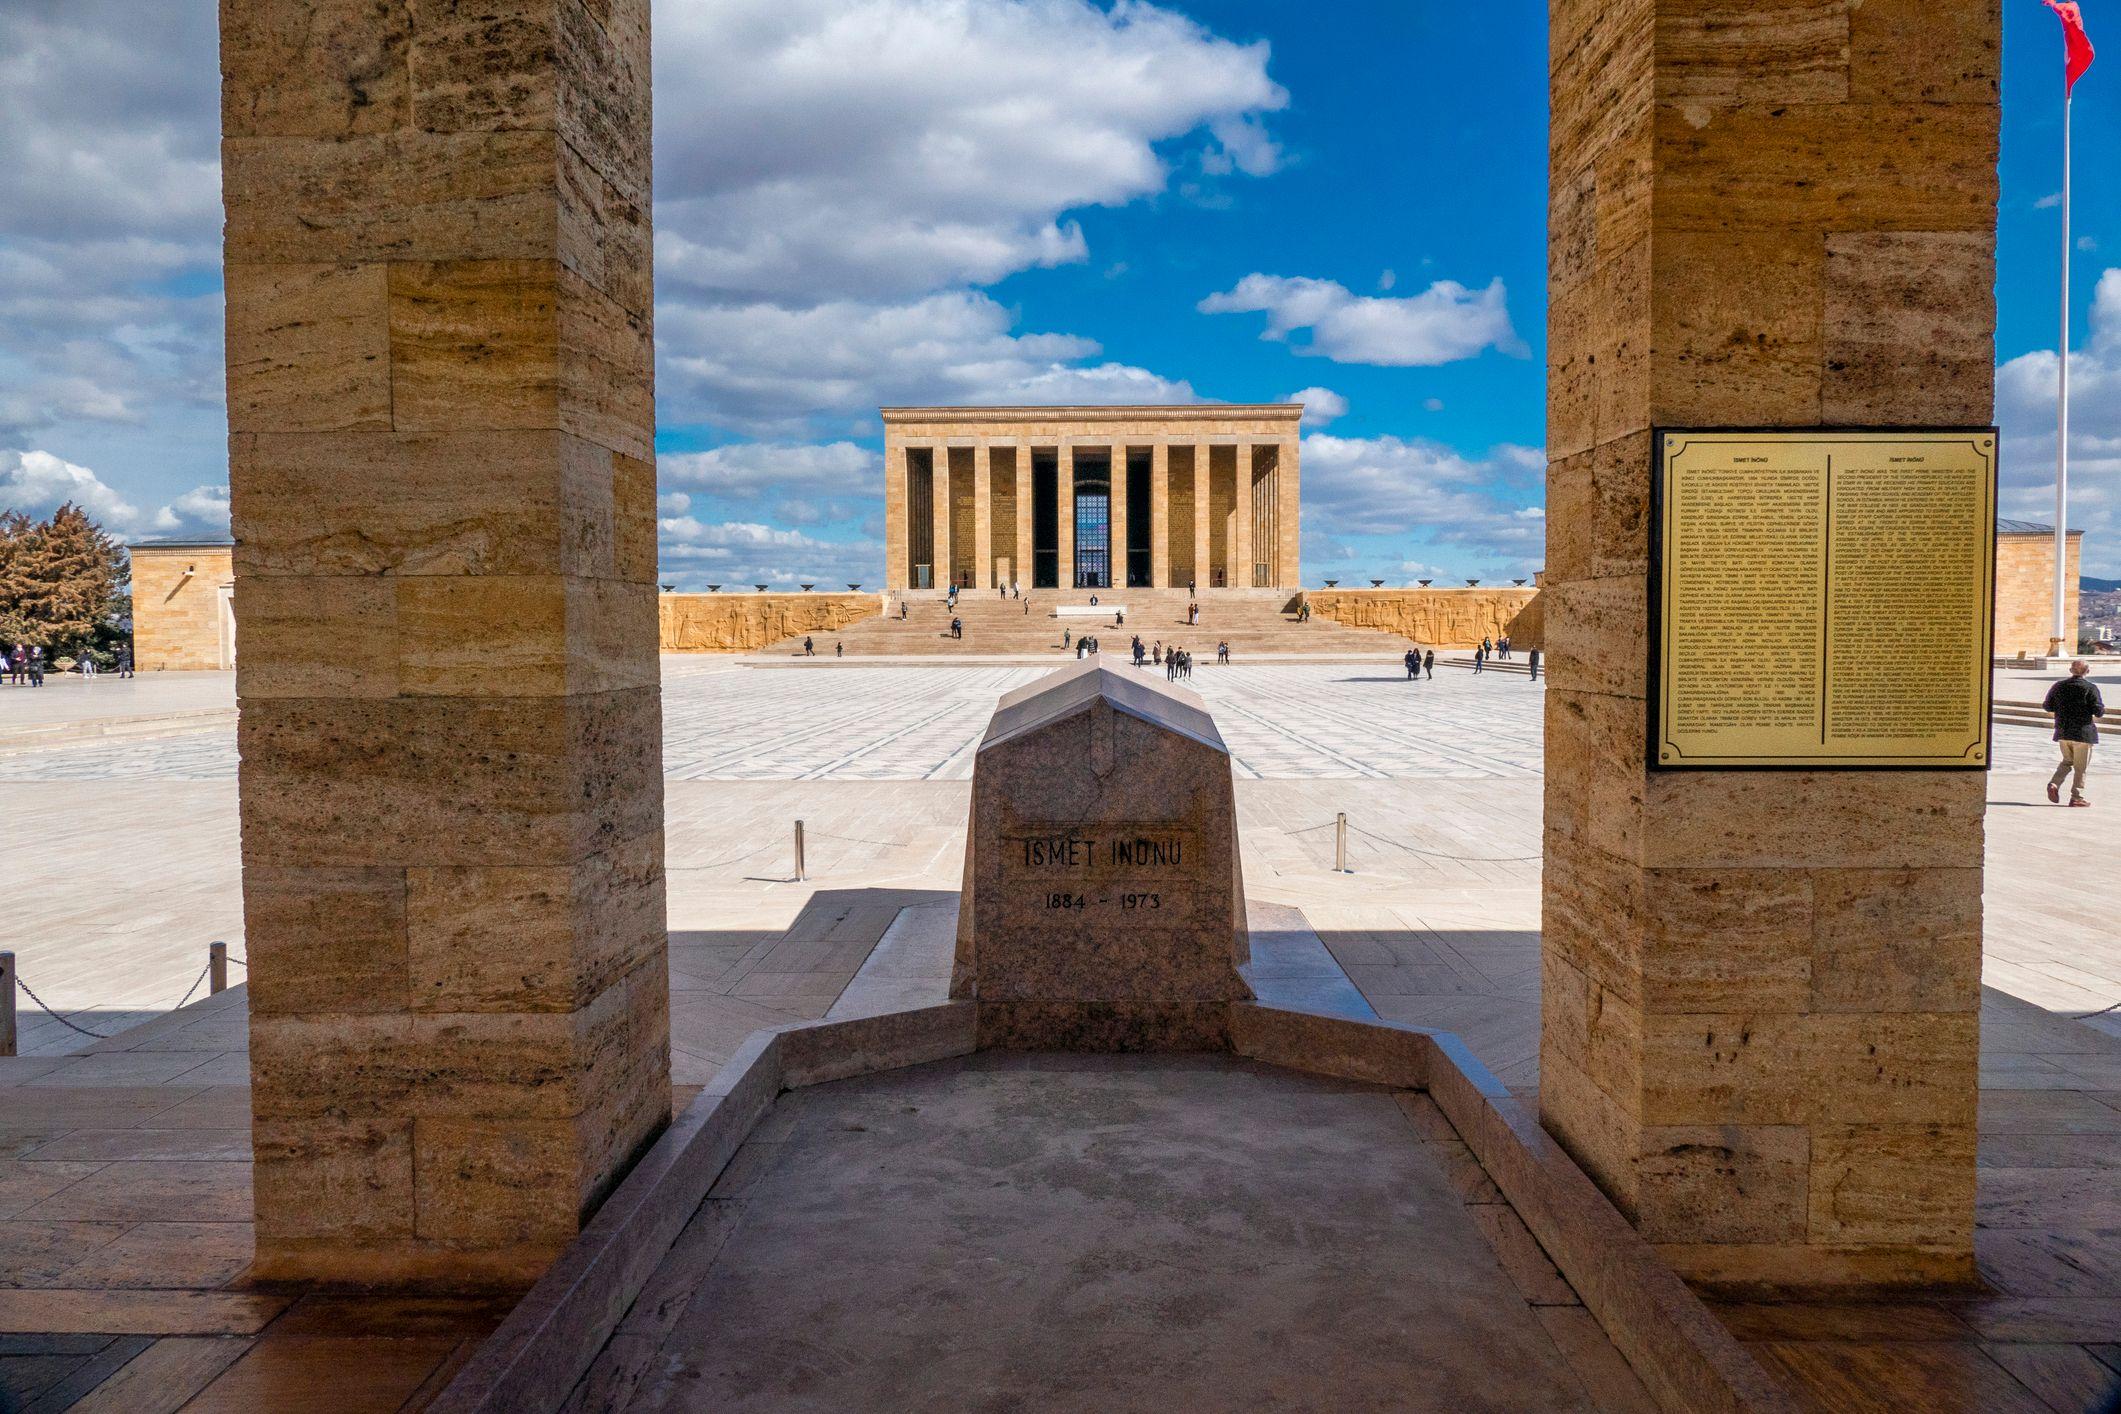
61,583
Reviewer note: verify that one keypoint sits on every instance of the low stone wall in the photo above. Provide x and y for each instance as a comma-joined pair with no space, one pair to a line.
737,623
1443,618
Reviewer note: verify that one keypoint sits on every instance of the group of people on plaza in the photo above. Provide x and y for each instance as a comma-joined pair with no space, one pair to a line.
1491,649
24,665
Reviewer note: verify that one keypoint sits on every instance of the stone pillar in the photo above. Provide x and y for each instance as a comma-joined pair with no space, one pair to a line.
1024,553
1759,1019
1160,515
982,518
1241,516
441,463
1288,530
1203,503
940,509
1118,487
898,573
1064,491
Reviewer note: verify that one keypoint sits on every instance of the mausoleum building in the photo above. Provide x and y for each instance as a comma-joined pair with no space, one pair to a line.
1092,497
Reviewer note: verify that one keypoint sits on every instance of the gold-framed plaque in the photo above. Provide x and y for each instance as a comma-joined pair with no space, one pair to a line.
1821,599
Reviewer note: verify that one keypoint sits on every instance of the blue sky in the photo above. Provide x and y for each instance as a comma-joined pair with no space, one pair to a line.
877,201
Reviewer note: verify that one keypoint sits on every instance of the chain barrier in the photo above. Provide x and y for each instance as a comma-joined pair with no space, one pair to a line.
57,1016
192,988
1425,853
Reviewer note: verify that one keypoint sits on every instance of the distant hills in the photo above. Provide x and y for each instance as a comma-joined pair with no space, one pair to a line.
2087,585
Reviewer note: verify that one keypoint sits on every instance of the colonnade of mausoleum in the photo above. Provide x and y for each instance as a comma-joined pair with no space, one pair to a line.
1092,497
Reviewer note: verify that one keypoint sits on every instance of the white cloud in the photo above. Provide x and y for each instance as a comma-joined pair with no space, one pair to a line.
878,149
2025,410
1406,487
697,553
1443,324
767,369
1321,405
2051,200
1433,404
37,483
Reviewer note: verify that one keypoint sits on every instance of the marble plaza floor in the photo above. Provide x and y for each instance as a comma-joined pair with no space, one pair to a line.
128,1164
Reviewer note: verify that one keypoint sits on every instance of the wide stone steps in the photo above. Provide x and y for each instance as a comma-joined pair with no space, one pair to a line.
1255,623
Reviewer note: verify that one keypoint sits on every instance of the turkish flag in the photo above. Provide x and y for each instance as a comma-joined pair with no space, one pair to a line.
2076,44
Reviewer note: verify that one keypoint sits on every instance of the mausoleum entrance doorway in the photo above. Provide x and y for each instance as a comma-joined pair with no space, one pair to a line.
1093,529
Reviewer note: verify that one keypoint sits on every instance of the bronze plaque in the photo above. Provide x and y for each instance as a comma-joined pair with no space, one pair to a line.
1822,599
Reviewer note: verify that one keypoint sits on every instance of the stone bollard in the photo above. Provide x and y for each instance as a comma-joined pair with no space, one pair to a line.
7,1003
216,968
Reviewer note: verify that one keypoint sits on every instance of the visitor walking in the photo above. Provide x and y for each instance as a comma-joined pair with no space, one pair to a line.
957,627
1156,653
1064,638
809,649
1480,657
36,665
1487,647
1119,618
1503,647
1532,661
839,650
1027,608
1222,651
2076,704
1428,665
1080,645
1413,665
125,661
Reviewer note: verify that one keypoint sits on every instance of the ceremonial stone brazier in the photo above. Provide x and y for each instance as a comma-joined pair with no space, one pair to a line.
1104,904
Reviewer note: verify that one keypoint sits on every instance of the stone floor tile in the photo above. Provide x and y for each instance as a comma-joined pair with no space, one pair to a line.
1855,1321
107,1144
27,1181
2068,1378
34,1253
1897,1377
338,1374
153,1190
173,1256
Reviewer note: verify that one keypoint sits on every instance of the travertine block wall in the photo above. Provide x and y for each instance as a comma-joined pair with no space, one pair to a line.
2025,592
1442,618
441,415
737,623
177,613
1760,988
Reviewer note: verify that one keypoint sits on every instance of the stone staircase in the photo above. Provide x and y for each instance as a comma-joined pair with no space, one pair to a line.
1257,623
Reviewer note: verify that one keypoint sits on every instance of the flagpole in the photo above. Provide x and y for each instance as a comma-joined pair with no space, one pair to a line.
2064,641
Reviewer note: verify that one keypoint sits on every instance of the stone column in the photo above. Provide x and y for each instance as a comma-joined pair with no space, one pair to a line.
441,463
1160,515
1118,487
1024,552
1203,502
982,518
1288,531
1759,1019
897,575
1241,515
1065,493
940,510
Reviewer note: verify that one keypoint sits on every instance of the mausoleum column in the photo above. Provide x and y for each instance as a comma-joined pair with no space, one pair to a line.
1118,526
1160,515
1241,513
1024,550
1203,504
1288,526
1064,491
896,532
1759,1020
442,476
982,518
940,508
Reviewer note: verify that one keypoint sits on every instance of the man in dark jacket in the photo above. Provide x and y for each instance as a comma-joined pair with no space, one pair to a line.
2076,704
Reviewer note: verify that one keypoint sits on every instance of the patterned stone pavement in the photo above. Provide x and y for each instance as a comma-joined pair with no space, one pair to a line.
728,721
